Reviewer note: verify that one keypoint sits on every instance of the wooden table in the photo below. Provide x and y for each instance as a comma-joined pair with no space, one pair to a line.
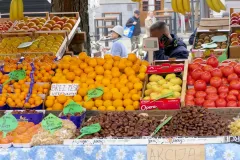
114,13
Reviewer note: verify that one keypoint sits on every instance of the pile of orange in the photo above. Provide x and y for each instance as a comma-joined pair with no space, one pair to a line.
121,78
22,134
3,99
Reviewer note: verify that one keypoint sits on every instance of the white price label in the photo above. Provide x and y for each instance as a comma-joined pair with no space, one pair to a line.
64,89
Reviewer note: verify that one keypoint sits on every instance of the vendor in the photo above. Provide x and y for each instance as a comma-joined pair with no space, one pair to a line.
170,46
118,48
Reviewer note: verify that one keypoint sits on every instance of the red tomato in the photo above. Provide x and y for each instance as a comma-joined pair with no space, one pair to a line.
232,64
239,97
191,91
232,104
196,74
227,70
216,73
212,61
221,103
194,66
201,94
206,76
200,85
223,89
237,69
212,97
223,95
210,90
198,60
216,82
189,97
234,92
199,101
207,68
235,84
238,103
232,77
221,68
224,81
190,81
231,97
209,104
189,103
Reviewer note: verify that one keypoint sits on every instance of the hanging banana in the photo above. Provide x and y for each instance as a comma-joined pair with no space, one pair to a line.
16,10
216,5
181,6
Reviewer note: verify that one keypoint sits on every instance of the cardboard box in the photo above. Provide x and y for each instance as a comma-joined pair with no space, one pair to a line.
214,24
180,67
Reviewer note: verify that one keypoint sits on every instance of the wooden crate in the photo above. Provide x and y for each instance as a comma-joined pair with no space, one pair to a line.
233,10
68,14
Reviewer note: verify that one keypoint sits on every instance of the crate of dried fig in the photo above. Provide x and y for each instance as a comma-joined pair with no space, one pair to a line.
195,121
206,37
122,124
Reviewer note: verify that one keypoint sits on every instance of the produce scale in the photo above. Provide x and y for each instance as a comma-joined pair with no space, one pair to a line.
59,106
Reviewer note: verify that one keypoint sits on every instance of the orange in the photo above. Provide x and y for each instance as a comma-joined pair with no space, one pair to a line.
77,71
51,98
129,63
106,89
119,86
117,95
107,103
88,69
92,62
66,65
129,85
88,105
57,107
83,65
117,103
129,108
70,76
116,58
94,109
145,63
141,76
116,74
122,65
100,61
133,91
91,75
82,55
91,86
49,103
111,108
99,70
143,69
105,81
107,66
124,90
116,63
135,97
120,109
102,108
46,85
107,96
107,72
127,102
136,105
138,86
90,81
132,57
31,101
115,69
99,78
108,56
2,103
77,98
127,96
73,67
61,99
98,103
136,67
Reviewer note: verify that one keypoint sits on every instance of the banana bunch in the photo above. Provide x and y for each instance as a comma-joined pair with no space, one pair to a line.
16,10
181,6
216,5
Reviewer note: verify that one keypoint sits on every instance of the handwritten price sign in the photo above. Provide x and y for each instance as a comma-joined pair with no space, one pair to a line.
72,108
64,89
94,128
8,123
94,93
16,75
51,123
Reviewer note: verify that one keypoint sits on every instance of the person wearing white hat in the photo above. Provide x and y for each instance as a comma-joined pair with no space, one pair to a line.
118,48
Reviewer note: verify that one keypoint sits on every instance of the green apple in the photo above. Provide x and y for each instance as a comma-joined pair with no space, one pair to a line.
165,91
176,88
176,95
167,85
148,92
147,98
154,95
176,80
156,88
153,83
170,76
149,86
153,78
162,81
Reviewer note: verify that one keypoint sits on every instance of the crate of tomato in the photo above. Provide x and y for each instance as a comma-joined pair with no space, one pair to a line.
163,86
212,84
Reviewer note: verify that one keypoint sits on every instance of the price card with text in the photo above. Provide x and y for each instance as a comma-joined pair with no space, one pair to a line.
8,123
175,152
16,75
72,108
94,93
67,89
51,123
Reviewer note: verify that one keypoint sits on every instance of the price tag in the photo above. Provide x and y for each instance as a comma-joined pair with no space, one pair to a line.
94,93
51,123
72,108
8,123
25,45
64,89
209,45
161,125
16,75
94,128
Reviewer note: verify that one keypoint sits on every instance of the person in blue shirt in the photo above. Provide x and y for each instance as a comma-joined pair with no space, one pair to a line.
171,47
118,48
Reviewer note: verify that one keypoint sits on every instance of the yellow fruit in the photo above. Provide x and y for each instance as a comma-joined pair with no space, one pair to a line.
107,103
107,66
117,95
49,103
82,91
98,103
92,62
105,81
94,109
111,108
116,58
132,57
133,91
141,76
88,105
127,102
100,61
143,69
120,109
124,90
117,103
129,108
82,55
99,78
114,80
57,107
61,99
136,105
129,85
135,97
99,70
127,96
138,86
107,96
102,108
77,98
91,75
114,90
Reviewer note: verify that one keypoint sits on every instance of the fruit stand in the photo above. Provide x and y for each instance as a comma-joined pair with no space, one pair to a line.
57,106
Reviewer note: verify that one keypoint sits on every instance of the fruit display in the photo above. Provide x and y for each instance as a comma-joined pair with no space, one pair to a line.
121,78
235,127
30,24
122,124
44,137
213,84
216,5
159,86
22,134
235,19
203,38
16,10
234,39
43,43
195,121
5,26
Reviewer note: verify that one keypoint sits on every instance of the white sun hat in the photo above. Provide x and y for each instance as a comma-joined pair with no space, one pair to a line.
118,30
